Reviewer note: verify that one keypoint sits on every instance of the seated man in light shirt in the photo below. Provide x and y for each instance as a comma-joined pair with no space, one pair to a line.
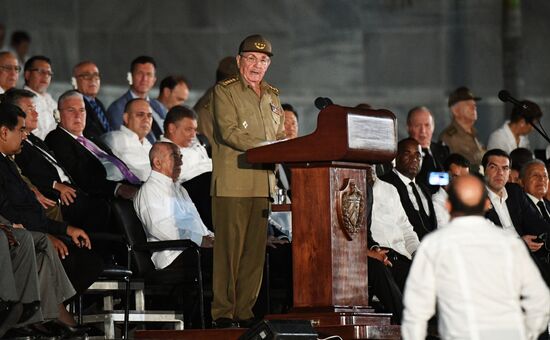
165,209
455,165
391,229
129,143
180,128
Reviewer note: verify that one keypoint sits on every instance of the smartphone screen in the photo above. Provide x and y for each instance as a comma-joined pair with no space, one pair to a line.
438,178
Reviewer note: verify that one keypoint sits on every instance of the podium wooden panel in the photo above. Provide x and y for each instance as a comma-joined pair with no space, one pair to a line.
329,269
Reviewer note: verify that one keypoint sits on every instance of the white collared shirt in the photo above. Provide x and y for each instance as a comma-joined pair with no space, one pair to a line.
482,280
195,160
499,204
390,226
125,145
46,107
504,139
423,198
536,201
167,213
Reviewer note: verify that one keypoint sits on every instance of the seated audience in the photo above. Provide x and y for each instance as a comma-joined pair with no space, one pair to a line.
455,165
19,205
9,72
180,128
40,166
87,81
92,166
510,208
519,157
165,209
142,78
420,126
513,134
173,90
129,143
415,198
478,279
38,75
461,136
391,230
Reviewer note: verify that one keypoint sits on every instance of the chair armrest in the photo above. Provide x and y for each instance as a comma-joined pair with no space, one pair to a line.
166,245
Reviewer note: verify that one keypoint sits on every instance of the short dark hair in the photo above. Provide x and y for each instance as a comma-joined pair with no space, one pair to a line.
143,59
456,159
18,37
29,63
530,114
13,95
494,152
172,81
177,113
519,157
404,141
9,114
413,110
458,207
288,107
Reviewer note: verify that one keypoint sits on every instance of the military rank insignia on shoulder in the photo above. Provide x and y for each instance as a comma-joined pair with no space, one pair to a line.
274,89
228,81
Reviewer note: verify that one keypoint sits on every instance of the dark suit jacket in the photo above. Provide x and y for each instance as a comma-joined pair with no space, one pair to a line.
525,216
440,153
86,170
93,128
35,166
19,204
411,212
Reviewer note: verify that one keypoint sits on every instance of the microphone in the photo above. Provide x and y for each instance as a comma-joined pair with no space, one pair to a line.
505,96
322,102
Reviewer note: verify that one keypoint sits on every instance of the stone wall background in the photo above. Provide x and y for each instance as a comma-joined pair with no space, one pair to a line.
393,54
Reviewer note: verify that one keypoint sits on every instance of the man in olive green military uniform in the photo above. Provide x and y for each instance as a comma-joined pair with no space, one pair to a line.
461,136
247,113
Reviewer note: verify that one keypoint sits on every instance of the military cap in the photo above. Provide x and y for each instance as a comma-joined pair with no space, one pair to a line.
460,94
255,43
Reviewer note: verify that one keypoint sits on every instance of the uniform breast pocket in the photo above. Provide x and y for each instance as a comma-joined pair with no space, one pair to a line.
276,118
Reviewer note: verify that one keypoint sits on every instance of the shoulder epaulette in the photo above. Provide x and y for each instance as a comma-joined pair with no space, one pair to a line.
451,130
274,89
228,81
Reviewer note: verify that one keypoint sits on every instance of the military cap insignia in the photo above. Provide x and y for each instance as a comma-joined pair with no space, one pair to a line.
259,45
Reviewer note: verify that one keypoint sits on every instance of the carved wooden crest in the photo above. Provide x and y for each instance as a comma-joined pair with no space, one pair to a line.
350,208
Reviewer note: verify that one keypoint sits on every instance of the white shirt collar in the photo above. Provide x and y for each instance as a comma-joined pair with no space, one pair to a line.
496,198
134,96
403,178
162,178
67,131
533,198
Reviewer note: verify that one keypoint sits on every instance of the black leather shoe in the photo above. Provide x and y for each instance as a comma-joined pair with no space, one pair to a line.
10,312
20,333
64,330
224,323
248,323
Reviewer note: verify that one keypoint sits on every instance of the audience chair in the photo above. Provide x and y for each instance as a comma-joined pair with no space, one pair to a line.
141,264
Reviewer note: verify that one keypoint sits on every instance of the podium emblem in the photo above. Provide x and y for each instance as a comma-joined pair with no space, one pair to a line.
350,208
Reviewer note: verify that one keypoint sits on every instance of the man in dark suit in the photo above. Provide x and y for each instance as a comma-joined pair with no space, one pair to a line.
87,81
415,197
142,78
511,208
92,166
420,125
38,163
19,205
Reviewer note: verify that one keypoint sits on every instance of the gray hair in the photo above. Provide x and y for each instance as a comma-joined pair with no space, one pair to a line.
527,165
66,95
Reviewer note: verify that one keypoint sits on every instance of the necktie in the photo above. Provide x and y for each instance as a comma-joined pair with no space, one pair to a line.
423,216
100,115
128,175
543,211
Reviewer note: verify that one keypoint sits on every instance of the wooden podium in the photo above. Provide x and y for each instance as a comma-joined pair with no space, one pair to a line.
329,242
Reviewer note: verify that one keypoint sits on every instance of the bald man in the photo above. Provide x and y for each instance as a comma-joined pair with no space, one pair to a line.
482,278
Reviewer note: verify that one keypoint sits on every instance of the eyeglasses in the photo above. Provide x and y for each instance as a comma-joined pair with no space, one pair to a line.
88,76
253,60
42,72
12,68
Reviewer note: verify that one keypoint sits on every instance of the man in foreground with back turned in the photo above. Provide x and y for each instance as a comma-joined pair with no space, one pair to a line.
482,278
247,113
